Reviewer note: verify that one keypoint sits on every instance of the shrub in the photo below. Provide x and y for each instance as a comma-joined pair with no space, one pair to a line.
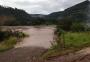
77,27
8,44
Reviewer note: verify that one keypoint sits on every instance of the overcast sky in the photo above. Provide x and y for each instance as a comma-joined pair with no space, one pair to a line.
40,6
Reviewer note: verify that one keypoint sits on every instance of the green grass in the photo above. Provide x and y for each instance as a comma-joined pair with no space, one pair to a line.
11,40
8,44
74,41
77,39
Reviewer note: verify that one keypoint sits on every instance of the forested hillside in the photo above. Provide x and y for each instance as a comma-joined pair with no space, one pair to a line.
14,16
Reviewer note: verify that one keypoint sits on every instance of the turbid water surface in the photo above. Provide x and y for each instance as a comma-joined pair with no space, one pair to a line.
38,37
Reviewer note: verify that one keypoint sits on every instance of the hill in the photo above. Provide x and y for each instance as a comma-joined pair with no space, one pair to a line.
13,16
78,12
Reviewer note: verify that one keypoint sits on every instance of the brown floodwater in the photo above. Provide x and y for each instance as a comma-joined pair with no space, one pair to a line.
38,37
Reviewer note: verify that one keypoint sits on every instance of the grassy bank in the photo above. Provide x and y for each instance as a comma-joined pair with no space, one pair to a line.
8,44
73,41
9,39
77,39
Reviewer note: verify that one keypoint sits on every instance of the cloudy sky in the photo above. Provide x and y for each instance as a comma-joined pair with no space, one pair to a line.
40,6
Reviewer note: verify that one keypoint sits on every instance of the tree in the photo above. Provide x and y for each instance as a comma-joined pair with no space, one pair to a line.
77,27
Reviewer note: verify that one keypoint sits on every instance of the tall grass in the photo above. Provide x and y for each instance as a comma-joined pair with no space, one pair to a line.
77,39
9,39
8,44
73,41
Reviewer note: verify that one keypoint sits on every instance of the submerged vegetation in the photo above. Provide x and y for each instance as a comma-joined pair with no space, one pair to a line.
9,38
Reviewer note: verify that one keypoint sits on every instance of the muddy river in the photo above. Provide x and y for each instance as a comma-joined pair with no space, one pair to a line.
38,37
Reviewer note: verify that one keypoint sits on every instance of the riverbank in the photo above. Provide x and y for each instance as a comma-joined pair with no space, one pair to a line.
29,51
72,41
9,39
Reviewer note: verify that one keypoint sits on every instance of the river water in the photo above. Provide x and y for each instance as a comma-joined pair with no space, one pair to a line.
38,37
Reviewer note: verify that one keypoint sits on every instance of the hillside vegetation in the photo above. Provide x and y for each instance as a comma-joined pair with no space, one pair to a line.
13,16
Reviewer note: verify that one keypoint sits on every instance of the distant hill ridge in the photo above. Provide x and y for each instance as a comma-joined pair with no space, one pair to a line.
79,11
13,16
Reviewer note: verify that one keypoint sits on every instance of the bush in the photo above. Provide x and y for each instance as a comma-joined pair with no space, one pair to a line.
8,39
4,35
59,40
77,27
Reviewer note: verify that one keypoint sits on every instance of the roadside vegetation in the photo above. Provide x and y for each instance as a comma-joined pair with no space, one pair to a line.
69,41
9,38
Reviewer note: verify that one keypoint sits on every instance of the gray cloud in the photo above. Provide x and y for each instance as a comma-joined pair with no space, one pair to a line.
23,3
40,6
